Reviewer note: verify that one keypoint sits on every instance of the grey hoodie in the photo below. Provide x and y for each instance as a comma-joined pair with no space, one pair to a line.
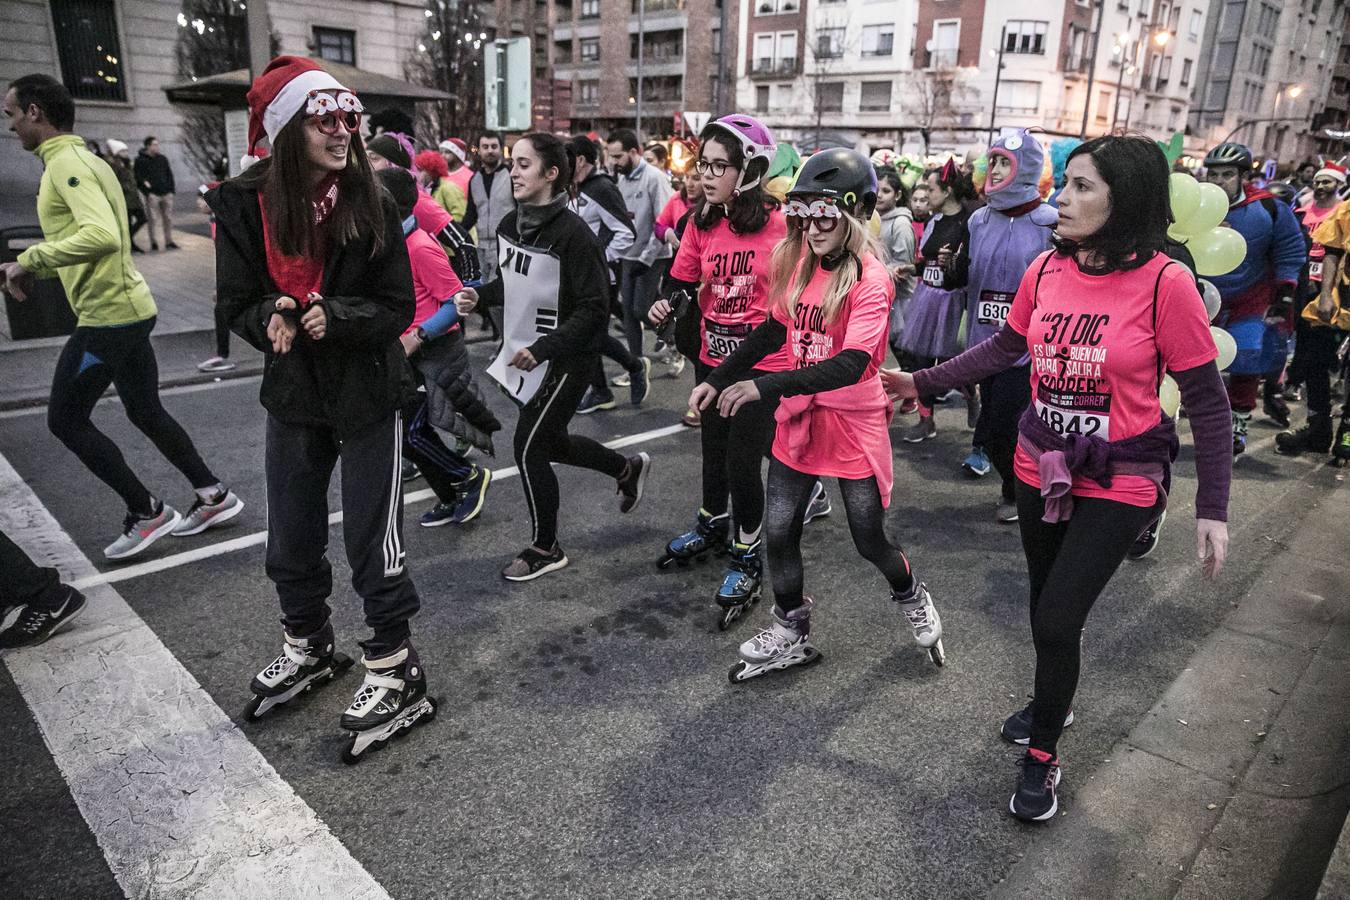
897,240
645,193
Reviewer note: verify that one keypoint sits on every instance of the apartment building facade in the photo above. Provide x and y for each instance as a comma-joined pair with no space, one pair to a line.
596,46
1270,72
118,56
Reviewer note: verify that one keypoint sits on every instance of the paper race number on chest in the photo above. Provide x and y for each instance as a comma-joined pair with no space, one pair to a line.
993,307
530,278
1074,412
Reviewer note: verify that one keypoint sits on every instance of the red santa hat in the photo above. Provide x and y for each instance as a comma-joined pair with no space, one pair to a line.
1332,170
287,85
457,147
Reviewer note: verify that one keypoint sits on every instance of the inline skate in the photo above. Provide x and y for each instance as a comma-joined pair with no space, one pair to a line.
304,663
923,618
786,642
741,583
392,698
709,535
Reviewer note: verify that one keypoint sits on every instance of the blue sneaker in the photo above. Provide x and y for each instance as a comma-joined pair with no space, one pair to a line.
977,463
472,494
640,382
594,402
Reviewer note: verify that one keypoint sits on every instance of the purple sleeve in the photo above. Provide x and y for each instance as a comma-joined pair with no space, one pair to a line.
1206,402
1000,352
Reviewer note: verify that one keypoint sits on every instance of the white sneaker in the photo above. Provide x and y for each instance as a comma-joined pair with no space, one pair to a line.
621,380
215,364
204,515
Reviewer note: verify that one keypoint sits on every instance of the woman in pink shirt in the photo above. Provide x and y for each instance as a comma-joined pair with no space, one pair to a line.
831,316
723,261
1102,316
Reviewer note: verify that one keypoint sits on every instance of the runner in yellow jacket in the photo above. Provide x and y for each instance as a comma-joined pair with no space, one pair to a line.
84,220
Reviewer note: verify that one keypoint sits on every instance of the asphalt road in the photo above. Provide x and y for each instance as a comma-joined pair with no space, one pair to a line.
589,743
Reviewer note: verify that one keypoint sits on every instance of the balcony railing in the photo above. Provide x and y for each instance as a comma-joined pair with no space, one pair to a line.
767,67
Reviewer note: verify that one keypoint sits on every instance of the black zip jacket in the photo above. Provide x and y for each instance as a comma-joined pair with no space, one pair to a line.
154,175
351,378
583,291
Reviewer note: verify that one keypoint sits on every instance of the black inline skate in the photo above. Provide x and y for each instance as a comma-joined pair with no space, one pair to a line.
392,698
304,663
709,535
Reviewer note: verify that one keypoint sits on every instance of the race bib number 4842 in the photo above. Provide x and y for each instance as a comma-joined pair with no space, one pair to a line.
1073,412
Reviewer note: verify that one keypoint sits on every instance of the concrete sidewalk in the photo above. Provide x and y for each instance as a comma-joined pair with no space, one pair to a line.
1237,781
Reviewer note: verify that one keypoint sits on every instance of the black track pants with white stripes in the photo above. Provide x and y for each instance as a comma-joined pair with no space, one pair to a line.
300,462
542,438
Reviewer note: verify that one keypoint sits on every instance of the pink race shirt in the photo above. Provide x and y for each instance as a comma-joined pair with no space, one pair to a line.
434,281
733,270
1098,345
843,432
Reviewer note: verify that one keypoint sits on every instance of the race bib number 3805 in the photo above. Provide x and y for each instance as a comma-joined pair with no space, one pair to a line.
1074,412
724,339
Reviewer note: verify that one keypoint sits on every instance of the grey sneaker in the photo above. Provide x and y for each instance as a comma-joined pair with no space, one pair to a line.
205,515
819,505
138,534
215,364
920,431
1006,513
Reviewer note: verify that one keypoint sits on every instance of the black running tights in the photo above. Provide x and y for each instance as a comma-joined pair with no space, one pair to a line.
542,439
789,493
1068,566
732,452
120,355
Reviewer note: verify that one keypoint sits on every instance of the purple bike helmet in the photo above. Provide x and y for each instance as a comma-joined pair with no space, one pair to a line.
755,139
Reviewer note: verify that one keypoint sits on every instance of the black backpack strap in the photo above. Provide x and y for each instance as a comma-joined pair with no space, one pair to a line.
1271,209
1156,285
1036,292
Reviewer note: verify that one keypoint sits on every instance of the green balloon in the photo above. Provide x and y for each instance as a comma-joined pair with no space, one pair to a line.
1184,195
1217,251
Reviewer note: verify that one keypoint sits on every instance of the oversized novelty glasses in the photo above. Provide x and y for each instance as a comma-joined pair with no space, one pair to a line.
715,167
824,214
334,112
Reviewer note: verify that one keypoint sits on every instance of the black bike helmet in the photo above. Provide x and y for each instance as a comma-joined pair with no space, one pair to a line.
1230,154
845,175
1283,191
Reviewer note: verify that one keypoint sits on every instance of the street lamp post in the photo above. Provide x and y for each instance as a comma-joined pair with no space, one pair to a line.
642,13
998,78
1092,67
1122,44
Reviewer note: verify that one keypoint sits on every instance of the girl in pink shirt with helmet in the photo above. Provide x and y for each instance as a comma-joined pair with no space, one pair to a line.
724,260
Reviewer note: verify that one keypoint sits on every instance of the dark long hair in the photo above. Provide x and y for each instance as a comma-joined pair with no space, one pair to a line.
1135,171
889,175
280,180
749,210
553,152
953,179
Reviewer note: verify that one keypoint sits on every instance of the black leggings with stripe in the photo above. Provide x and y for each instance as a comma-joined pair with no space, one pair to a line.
542,439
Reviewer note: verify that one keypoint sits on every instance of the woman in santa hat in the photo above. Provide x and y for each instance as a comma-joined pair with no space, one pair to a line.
312,270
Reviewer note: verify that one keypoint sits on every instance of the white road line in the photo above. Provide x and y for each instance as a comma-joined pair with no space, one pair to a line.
258,538
164,392
181,804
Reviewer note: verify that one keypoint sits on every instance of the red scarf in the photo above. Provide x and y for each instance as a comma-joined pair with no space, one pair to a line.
299,276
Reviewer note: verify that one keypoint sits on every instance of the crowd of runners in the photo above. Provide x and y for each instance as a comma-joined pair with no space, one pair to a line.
1044,287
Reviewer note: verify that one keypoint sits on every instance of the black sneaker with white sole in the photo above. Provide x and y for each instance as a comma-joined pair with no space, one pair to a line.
1017,727
1035,799
1147,542
633,480
35,624
531,564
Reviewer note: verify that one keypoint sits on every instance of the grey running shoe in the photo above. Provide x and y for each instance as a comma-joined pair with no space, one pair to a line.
138,534
920,431
215,364
1006,513
205,515
819,505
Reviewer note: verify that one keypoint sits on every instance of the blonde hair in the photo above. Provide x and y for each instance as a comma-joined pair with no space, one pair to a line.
794,253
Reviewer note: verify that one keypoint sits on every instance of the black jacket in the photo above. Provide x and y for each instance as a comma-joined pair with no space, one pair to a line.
583,291
153,174
352,377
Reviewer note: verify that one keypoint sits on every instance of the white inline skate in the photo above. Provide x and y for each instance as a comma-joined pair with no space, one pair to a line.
304,664
923,618
392,698
786,642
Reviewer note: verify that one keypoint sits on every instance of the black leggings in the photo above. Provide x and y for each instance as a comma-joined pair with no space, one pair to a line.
1003,397
732,451
789,493
222,329
542,438
1068,566
1314,358
119,355
613,348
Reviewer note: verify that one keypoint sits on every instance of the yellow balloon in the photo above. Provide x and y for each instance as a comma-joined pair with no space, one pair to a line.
1209,212
1217,251
1227,347
1184,195
1169,396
